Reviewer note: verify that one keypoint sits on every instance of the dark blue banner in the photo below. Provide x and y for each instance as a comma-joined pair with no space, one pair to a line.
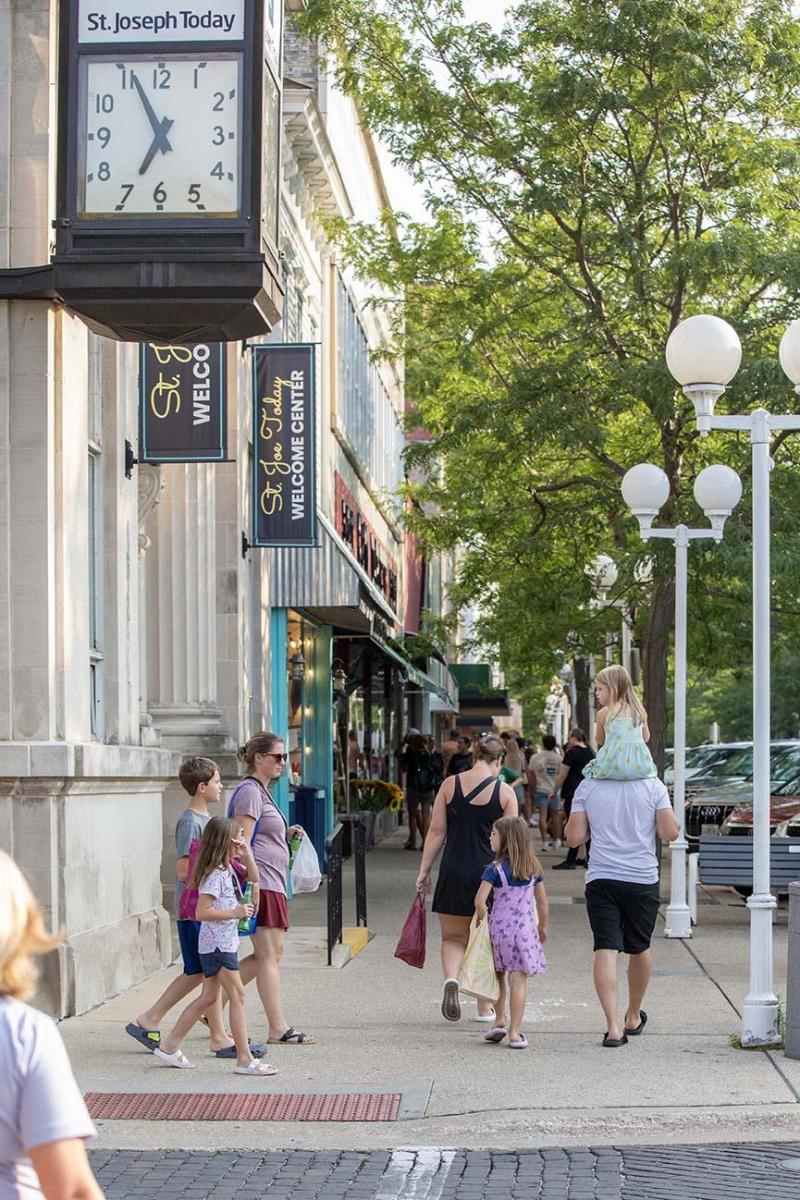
182,403
284,459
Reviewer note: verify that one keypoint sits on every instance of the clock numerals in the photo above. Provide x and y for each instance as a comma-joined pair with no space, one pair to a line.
127,188
194,196
159,122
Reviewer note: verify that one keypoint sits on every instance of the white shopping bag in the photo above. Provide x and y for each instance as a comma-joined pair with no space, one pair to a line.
306,875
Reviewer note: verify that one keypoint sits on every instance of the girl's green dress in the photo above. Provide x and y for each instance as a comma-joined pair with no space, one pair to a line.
623,755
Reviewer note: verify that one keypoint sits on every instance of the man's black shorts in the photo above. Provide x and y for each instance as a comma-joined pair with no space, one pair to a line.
622,915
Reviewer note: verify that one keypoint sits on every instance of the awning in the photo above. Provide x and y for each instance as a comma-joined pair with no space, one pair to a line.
439,689
325,578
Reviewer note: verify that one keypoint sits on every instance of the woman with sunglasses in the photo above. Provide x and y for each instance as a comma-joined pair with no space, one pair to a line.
265,827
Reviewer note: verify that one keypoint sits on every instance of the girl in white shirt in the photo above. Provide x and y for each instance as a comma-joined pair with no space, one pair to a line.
219,910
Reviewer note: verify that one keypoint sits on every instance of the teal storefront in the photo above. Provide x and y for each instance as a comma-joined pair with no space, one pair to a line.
302,713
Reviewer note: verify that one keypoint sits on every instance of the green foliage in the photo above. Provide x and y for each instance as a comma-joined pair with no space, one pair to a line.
595,173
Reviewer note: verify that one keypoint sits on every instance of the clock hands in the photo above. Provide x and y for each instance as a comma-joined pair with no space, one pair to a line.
160,128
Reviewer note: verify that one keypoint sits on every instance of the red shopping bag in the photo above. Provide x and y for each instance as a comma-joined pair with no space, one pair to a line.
411,947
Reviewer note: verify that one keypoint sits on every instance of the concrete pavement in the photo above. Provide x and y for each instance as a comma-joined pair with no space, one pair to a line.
379,1029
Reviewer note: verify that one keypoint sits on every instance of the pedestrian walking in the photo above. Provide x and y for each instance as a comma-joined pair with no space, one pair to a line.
622,892
437,764
43,1118
450,747
200,779
513,771
266,829
517,923
621,730
570,775
219,908
466,807
417,763
543,771
462,760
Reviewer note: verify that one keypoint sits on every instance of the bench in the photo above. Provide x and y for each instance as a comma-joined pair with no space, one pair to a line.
727,861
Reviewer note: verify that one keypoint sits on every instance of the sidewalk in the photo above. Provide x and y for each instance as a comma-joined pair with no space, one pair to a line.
379,1030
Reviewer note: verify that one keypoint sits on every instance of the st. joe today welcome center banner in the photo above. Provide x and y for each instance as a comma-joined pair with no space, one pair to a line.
182,403
284,461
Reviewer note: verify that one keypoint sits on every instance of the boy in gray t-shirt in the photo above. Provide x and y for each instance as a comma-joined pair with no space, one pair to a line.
201,780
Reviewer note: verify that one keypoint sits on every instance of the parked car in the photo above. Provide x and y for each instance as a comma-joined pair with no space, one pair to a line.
783,809
708,804
702,760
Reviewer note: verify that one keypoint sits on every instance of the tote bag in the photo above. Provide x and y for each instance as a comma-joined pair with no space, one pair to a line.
478,977
411,947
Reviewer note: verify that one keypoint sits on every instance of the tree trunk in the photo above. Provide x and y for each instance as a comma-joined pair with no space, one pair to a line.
655,651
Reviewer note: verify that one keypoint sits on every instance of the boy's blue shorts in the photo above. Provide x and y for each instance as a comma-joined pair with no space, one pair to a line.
188,936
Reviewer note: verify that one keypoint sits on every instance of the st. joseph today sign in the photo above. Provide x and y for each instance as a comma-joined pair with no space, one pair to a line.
159,21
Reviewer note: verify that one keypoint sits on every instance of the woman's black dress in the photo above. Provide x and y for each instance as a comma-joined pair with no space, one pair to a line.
467,851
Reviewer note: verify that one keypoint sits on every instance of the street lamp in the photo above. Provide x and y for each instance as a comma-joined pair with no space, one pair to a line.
703,355
603,573
717,490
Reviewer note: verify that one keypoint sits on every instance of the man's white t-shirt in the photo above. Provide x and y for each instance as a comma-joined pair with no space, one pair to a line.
39,1099
622,825
544,768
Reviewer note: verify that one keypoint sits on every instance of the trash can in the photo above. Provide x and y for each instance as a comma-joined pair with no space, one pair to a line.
310,804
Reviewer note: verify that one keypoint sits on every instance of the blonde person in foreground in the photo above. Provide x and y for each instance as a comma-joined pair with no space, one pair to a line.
43,1119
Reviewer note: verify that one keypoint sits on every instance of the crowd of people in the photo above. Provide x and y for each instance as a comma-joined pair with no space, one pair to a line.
543,778
477,802
613,804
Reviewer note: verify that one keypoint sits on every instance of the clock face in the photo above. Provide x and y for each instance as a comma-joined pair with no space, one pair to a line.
160,135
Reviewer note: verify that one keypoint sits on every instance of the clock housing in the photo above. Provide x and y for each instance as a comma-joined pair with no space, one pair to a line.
160,233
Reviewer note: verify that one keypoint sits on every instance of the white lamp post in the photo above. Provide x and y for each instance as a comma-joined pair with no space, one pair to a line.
603,573
703,355
717,490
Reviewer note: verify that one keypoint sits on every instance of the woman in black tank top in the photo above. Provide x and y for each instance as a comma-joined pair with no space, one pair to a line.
464,812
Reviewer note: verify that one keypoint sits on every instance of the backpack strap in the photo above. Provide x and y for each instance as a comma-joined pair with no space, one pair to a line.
237,789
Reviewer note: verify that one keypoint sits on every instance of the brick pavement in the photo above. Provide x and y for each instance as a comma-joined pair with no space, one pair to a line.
707,1172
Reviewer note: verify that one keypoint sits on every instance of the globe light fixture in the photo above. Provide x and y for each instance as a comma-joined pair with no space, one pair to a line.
645,489
643,570
789,353
703,355
718,489
602,570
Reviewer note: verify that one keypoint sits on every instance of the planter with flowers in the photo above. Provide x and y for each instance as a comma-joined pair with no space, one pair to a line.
381,800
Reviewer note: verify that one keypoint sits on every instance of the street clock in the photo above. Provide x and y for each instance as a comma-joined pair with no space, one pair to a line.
160,134
168,168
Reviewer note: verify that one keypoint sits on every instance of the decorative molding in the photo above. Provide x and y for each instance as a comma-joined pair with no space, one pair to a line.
151,488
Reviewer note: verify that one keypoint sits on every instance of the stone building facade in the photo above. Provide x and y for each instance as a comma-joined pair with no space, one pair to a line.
133,630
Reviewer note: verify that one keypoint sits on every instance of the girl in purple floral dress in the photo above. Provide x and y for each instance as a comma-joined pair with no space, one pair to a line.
517,922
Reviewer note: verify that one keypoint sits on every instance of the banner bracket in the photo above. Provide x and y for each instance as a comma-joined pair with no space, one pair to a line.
130,460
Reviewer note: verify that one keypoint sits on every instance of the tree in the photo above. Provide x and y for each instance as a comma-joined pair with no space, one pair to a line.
595,172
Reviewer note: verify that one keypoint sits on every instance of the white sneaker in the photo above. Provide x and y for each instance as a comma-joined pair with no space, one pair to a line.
557,844
545,845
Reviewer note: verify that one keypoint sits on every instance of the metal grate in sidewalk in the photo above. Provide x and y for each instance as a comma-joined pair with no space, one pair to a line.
242,1106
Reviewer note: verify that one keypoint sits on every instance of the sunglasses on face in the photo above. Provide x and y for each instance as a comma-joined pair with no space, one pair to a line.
278,757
